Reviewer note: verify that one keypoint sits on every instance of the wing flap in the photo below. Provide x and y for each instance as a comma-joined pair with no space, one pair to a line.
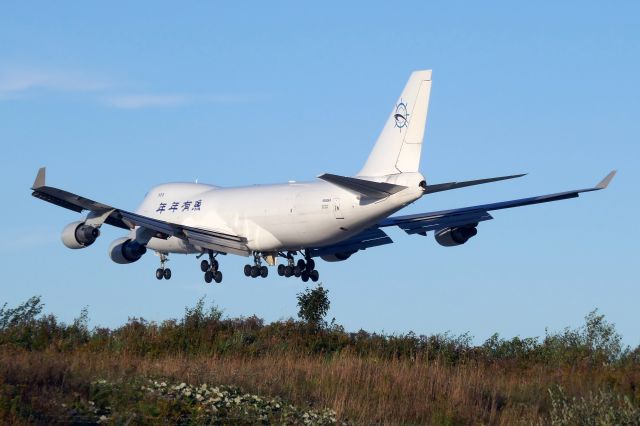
368,238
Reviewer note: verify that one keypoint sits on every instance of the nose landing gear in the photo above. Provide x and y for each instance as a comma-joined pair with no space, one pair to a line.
210,269
163,272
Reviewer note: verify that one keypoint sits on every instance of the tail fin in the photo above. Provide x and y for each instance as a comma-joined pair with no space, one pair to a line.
398,147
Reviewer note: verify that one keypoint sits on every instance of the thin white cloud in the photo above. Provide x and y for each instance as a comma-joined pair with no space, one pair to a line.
28,239
20,83
149,100
135,101
15,82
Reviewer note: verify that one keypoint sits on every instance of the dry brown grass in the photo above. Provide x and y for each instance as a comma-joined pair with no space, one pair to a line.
363,391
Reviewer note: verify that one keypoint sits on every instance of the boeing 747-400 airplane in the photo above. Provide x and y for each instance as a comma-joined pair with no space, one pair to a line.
331,218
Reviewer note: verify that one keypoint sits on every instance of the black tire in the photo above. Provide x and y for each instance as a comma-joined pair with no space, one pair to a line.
167,274
208,277
218,277
281,270
204,266
304,276
255,271
247,270
288,271
311,265
159,273
214,265
314,275
301,264
264,271
297,271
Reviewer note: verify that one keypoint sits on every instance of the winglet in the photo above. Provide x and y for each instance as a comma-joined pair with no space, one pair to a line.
40,178
607,179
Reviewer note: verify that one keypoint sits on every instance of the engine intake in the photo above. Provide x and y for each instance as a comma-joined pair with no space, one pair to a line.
78,235
456,236
124,250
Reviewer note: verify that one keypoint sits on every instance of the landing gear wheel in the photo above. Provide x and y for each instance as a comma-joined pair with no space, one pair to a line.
311,264
167,274
281,270
214,265
288,271
204,266
297,271
264,271
208,277
255,271
301,264
159,273
247,270
314,275
217,277
304,276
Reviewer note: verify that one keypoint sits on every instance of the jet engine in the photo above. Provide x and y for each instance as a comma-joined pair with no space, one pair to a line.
336,257
450,237
124,250
78,235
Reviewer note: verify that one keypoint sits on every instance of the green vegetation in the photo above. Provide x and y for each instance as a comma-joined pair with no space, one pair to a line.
208,369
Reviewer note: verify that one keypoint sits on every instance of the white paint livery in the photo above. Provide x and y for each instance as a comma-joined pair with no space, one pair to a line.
332,217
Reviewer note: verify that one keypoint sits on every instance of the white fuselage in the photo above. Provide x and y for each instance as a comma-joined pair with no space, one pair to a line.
275,217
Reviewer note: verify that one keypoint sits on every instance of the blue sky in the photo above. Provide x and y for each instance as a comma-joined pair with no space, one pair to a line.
118,97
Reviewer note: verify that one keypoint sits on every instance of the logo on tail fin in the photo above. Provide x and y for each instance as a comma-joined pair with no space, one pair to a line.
401,116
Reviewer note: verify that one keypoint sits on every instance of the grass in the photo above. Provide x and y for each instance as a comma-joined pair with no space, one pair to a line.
581,376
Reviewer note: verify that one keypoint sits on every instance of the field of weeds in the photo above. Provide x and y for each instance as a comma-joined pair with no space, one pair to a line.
206,369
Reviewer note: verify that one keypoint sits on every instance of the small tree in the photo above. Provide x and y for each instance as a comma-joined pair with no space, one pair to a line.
313,304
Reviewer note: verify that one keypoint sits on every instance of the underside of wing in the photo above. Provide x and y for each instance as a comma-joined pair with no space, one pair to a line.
368,238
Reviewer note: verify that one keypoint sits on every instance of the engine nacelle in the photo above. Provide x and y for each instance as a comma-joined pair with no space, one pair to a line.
124,251
336,257
78,235
450,237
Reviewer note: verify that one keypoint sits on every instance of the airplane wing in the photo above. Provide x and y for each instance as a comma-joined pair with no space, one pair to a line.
422,222
206,238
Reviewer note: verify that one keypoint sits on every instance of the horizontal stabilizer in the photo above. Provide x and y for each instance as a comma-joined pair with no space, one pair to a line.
455,185
363,187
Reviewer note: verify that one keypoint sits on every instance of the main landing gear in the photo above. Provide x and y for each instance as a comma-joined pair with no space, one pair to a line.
163,272
304,268
210,269
258,269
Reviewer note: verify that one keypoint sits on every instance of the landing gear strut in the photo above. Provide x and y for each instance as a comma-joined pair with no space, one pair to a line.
303,268
210,269
163,272
258,269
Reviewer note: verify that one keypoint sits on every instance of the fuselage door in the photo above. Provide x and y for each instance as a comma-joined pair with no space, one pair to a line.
337,209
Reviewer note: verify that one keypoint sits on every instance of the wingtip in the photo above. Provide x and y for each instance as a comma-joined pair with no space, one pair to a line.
607,180
40,178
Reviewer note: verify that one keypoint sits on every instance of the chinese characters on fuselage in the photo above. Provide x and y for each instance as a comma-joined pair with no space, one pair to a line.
176,206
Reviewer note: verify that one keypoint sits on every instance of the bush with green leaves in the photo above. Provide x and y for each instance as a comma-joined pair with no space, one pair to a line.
313,304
